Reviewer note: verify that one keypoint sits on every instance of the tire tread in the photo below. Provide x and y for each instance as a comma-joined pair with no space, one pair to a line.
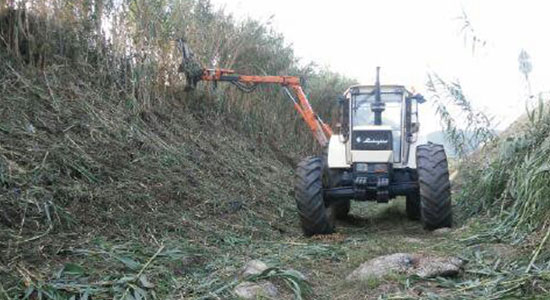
309,197
434,186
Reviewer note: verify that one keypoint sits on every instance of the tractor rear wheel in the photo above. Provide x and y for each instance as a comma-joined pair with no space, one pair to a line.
435,187
308,190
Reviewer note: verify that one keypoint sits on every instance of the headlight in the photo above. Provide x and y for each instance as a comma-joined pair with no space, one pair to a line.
372,168
361,167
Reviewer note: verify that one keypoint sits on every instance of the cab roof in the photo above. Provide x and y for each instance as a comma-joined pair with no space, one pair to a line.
362,88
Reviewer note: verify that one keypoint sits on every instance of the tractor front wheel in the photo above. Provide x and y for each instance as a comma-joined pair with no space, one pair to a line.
435,187
309,197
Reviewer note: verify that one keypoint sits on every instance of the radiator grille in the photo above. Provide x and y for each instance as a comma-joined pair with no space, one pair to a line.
371,140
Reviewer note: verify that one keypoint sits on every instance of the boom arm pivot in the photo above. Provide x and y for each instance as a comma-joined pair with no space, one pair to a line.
291,84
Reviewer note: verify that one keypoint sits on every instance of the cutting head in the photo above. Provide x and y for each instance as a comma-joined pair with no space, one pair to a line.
189,65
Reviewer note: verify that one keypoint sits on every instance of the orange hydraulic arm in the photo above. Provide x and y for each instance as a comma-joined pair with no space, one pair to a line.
321,131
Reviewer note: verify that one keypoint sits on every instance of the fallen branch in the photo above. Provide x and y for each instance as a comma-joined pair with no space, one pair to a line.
537,252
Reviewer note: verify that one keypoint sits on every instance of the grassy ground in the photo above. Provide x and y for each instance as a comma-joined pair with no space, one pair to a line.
203,260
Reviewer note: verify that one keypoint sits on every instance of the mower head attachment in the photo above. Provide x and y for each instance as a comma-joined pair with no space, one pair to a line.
189,66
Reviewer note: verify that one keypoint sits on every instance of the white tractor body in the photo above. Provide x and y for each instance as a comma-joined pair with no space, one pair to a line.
392,142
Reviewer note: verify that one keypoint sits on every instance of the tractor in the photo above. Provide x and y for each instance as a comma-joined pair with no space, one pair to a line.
372,156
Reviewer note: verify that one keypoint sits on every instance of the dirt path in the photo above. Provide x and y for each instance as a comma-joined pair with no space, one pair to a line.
371,231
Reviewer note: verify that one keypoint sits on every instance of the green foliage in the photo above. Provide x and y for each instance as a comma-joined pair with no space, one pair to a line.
466,128
132,44
293,279
504,180
503,176
510,179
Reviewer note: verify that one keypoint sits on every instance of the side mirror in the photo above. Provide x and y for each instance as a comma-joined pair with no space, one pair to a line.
343,126
418,97
411,119
341,100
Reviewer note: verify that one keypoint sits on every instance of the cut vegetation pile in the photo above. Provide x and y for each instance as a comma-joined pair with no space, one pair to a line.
113,181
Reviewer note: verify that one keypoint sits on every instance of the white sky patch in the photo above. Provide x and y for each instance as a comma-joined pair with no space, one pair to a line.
410,38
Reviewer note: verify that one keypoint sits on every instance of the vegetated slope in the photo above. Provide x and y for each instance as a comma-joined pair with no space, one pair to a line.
501,192
509,178
108,170
77,172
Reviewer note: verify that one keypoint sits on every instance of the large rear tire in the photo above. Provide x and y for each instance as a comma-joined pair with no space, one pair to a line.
435,187
309,197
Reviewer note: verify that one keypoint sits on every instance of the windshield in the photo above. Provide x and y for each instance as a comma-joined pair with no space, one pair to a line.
362,115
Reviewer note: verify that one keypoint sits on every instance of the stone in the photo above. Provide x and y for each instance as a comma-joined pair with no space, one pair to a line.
253,290
381,266
434,266
254,267
410,264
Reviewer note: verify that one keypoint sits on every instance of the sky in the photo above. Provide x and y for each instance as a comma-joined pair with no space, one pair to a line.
409,39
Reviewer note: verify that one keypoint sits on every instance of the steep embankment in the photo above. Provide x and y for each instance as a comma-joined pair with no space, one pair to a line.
84,179
115,182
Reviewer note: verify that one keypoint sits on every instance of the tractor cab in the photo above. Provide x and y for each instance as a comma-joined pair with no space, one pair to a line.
378,124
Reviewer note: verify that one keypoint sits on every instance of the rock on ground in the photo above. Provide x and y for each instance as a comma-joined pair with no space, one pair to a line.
404,263
434,266
382,265
253,290
254,267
